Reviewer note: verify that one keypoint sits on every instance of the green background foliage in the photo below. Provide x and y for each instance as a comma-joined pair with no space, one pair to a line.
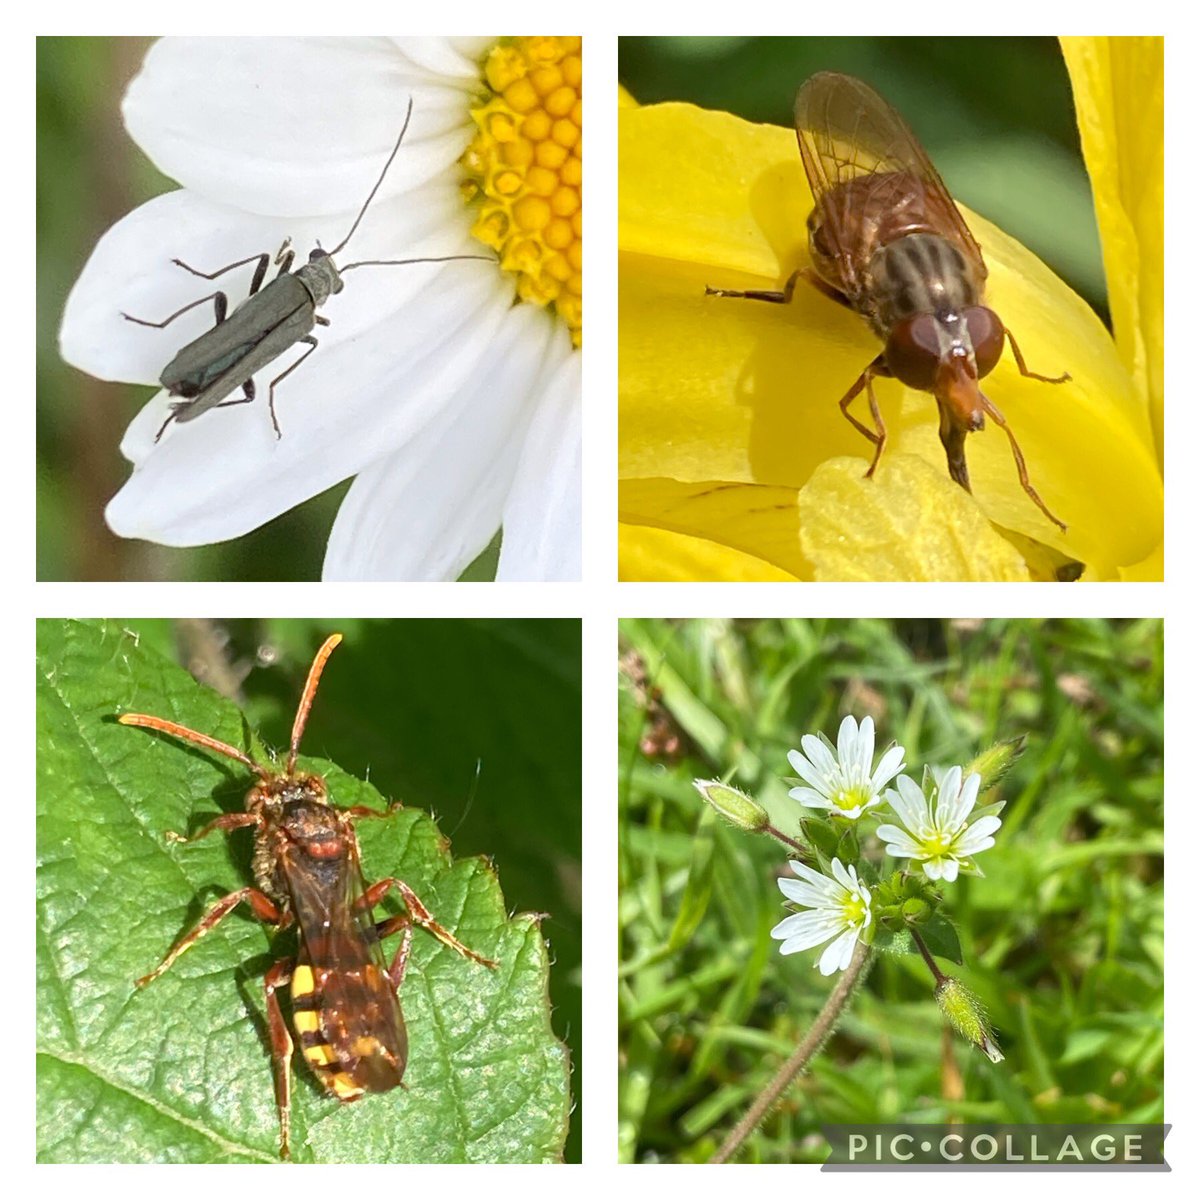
181,1071
994,113
1063,939
89,175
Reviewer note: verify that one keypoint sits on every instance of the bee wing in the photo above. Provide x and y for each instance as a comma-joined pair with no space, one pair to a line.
357,1005
848,132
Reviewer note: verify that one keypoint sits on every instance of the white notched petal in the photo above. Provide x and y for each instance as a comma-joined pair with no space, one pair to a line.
349,405
845,877
312,139
838,953
890,765
815,893
430,509
809,798
909,803
802,931
543,517
958,806
849,743
947,802
824,764
897,843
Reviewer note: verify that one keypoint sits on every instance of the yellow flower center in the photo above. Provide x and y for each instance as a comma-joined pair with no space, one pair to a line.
848,798
525,170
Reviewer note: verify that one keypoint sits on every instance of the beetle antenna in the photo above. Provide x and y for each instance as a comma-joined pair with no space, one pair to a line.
306,700
362,211
404,262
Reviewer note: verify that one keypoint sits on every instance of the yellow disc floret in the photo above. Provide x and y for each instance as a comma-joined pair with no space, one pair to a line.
525,170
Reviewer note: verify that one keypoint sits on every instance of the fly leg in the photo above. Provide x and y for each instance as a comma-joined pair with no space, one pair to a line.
782,297
309,341
280,975
993,412
879,436
264,908
219,299
1063,378
419,915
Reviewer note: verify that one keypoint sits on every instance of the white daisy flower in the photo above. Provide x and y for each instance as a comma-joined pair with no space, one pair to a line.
841,911
449,392
937,832
844,785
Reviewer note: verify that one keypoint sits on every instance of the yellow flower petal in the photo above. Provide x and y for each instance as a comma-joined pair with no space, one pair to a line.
655,555
1118,86
735,391
747,519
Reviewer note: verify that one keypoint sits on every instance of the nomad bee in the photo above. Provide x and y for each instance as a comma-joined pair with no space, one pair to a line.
887,240
344,995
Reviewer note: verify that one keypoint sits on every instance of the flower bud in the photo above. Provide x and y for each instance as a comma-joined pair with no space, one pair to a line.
736,807
993,764
964,1010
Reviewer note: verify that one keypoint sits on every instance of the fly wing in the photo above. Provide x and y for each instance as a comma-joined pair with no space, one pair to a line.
357,1006
871,181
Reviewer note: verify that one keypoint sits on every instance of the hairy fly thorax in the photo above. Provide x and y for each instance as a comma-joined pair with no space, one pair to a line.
920,273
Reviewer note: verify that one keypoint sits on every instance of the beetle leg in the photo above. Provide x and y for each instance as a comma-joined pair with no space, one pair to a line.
220,307
420,915
879,436
260,271
1063,378
284,259
312,345
264,908
781,297
280,975
247,396
996,415
320,320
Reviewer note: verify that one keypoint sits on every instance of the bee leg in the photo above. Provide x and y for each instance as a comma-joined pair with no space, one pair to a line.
311,342
280,975
783,297
1063,378
879,436
400,961
265,909
225,823
993,412
420,915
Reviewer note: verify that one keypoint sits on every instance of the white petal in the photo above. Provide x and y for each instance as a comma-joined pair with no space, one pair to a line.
801,931
898,843
809,798
947,800
430,508
950,869
823,762
849,744
910,805
890,765
543,514
447,58
352,403
235,119
838,953
821,894
974,841
842,876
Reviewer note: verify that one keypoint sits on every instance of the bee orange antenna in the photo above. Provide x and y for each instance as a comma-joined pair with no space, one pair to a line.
306,700
190,735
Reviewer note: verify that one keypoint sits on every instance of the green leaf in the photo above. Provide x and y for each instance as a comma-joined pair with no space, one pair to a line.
181,1071
942,938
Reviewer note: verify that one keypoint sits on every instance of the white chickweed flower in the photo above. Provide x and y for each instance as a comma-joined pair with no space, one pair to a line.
937,832
840,910
448,391
844,785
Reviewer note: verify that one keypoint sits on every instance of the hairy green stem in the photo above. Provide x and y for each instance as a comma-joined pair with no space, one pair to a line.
821,1028
800,848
